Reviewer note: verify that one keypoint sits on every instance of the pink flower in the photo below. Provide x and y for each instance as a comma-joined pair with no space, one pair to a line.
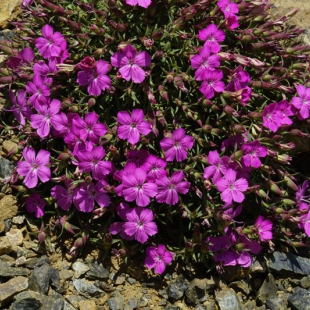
24,57
169,188
263,228
228,8
212,36
95,78
154,167
20,108
157,258
38,90
130,63
272,118
302,103
231,22
217,168
177,145
35,204
63,196
230,188
138,157
50,44
34,166
252,152
87,194
42,121
286,109
306,224
204,61
132,126
212,82
239,79
136,188
142,3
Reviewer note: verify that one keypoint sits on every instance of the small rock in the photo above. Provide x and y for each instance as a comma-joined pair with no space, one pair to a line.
305,282
10,272
277,303
268,289
196,291
79,269
11,288
176,288
133,303
142,302
29,304
8,209
15,236
258,267
65,274
227,299
120,280
5,245
87,305
288,264
75,299
20,261
116,302
6,168
18,220
85,287
300,299
241,286
131,281
97,272
9,146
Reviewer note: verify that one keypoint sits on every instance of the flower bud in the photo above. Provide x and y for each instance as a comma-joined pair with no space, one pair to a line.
91,102
41,236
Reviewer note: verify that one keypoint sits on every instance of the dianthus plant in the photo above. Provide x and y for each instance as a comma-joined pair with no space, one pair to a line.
172,129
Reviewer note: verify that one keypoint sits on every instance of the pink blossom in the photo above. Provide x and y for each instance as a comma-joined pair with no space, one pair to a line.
157,258
306,224
132,126
228,8
263,228
212,82
212,37
169,188
142,3
252,151
272,117
302,103
239,79
130,63
50,44
35,204
45,71
63,196
286,109
204,61
231,22
230,188
302,197
95,78
86,194
136,187
20,108
62,123
217,168
154,167
34,166
24,57
176,146
138,157
42,121
38,91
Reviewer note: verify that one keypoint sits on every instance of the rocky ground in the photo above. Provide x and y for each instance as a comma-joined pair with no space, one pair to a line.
34,278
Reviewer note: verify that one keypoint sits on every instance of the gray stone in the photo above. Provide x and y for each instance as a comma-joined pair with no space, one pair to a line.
79,269
268,289
116,302
133,303
227,299
196,291
97,272
10,272
142,302
11,288
277,303
288,264
29,304
120,280
131,280
241,286
85,287
15,236
5,245
176,288
42,277
6,168
300,299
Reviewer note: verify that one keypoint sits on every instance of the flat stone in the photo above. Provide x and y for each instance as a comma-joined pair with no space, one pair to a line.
8,209
11,288
9,146
277,303
87,305
5,245
79,269
9,10
176,288
10,272
300,299
18,220
116,302
15,236
120,280
227,299
268,289
288,264
97,272
196,291
86,287
6,168
65,274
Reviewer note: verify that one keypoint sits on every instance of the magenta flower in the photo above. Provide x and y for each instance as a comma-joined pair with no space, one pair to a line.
169,188
91,161
50,44
204,61
231,22
212,37
263,228
286,109
63,196
138,157
62,123
228,8
217,168
24,57
230,188
75,140
272,117
302,103
20,108
136,188
132,126
130,63
42,121
87,194
157,258
212,82
306,224
35,204
38,91
34,166
302,197
177,145
252,152
89,128
239,79
154,167
142,3
45,71
95,78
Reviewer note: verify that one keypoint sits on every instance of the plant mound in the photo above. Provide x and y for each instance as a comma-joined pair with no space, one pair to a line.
167,127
